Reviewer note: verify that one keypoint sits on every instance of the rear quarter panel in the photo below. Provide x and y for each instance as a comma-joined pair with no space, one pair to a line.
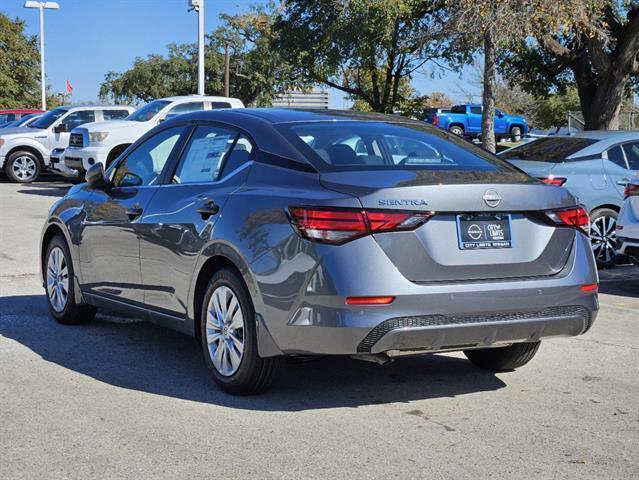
587,181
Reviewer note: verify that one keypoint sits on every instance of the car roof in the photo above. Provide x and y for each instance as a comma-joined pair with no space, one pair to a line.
284,115
210,98
97,107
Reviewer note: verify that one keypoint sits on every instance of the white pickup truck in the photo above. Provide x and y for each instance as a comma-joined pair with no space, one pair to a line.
103,142
26,151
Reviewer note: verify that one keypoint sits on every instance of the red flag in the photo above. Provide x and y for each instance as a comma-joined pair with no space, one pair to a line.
69,88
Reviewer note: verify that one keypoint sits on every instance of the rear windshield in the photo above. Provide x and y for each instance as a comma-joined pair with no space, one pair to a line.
548,149
366,145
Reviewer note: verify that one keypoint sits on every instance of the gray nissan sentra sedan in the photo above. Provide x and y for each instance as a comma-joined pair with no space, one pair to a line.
273,233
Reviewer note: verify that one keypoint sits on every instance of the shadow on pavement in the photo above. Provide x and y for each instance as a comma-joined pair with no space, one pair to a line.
143,357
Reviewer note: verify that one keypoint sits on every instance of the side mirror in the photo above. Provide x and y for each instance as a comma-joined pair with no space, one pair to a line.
500,114
95,177
61,128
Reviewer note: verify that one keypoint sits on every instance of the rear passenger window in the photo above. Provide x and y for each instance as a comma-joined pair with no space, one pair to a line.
204,156
114,114
240,154
185,108
475,110
632,154
615,155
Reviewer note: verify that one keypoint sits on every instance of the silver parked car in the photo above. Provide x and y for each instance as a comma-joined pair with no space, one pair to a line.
273,233
628,224
595,167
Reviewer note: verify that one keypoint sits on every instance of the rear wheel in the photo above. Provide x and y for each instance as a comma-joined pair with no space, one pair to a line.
456,129
60,286
603,236
504,358
22,167
515,133
229,337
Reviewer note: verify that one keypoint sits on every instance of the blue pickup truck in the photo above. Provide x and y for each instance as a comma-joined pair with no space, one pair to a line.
466,120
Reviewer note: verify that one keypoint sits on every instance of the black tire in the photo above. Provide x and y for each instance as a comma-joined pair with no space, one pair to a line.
503,358
29,174
515,133
254,374
604,246
456,130
73,313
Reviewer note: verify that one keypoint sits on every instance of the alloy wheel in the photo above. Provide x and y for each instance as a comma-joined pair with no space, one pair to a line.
225,331
603,237
57,279
24,168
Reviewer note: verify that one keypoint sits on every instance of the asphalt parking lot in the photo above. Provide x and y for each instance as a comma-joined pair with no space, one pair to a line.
124,399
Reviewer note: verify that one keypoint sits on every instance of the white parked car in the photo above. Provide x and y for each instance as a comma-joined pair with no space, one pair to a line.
103,142
628,221
26,151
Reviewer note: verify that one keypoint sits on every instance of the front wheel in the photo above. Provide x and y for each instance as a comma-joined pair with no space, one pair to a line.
503,358
60,287
229,337
22,167
603,236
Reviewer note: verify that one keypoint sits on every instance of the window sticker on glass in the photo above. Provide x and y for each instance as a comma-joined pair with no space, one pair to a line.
204,157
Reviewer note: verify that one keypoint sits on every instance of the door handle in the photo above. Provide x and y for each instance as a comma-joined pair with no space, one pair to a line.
623,182
208,209
133,212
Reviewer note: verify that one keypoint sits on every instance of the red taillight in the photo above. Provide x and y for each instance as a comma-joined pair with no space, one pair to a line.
572,217
435,119
554,181
341,225
369,300
631,190
589,288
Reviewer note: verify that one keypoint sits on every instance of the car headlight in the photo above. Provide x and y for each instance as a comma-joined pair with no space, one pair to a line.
97,137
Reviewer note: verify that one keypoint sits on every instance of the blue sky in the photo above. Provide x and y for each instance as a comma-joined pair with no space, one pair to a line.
87,38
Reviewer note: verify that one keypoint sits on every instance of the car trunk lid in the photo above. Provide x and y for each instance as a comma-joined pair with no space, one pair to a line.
463,199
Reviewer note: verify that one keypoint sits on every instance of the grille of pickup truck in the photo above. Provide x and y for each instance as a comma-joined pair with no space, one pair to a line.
76,140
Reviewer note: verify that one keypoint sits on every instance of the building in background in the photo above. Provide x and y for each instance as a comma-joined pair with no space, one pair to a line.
316,99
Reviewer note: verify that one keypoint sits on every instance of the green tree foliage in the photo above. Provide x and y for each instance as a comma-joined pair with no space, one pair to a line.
366,48
19,66
597,52
257,73
552,111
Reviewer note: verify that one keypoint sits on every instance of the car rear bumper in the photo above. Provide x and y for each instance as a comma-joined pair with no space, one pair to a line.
430,317
628,246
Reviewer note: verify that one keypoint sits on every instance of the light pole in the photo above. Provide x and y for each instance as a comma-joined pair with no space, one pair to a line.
41,6
198,6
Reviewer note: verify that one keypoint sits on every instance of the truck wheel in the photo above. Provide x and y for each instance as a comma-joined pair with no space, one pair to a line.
515,133
229,337
22,167
456,130
603,236
503,358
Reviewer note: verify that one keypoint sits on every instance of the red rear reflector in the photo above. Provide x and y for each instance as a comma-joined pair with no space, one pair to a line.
576,217
341,225
435,119
369,300
589,288
631,190
554,181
